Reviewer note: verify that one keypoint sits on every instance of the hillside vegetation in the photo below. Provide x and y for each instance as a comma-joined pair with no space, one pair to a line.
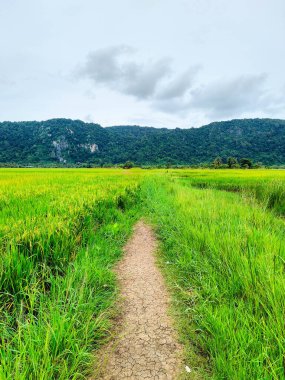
64,142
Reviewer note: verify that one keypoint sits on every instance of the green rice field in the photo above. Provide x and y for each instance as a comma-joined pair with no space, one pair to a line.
222,253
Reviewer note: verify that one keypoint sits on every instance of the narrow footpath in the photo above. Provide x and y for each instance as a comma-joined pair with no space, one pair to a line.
146,346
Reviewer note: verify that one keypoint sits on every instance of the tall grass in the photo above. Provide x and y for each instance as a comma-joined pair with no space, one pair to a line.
266,186
224,259
61,231
222,252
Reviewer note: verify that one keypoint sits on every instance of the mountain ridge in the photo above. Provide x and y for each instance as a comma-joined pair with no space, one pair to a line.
67,142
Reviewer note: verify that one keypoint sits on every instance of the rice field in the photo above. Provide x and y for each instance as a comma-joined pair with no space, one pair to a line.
223,254
60,232
221,251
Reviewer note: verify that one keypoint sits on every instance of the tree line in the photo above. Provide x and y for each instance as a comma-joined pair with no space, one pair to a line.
234,163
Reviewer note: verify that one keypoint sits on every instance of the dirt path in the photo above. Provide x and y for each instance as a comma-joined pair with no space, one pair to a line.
146,347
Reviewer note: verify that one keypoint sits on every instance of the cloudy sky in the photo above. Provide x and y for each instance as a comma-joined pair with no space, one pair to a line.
172,63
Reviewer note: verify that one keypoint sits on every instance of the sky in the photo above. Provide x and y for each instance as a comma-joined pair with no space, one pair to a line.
161,63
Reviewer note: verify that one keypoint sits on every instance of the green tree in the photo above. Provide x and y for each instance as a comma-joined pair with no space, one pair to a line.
217,162
232,162
128,165
246,163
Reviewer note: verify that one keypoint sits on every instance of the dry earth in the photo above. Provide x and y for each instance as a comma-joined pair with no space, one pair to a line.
146,346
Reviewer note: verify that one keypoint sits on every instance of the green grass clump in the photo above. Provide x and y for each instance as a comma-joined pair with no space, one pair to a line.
224,259
61,234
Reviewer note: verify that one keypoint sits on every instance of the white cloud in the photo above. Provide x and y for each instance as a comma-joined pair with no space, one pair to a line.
119,69
225,97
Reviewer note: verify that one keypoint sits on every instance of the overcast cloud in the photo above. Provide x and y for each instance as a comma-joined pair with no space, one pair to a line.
223,98
170,91
166,63
117,68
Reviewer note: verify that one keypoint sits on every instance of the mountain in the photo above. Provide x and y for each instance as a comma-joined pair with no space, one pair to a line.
65,142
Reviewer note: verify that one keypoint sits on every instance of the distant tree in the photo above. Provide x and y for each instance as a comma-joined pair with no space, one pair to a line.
246,163
169,164
232,162
217,162
107,165
128,165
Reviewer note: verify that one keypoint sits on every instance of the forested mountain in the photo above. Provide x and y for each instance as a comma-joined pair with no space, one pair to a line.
64,142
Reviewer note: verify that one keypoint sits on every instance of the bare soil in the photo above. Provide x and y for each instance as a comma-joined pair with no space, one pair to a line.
146,345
